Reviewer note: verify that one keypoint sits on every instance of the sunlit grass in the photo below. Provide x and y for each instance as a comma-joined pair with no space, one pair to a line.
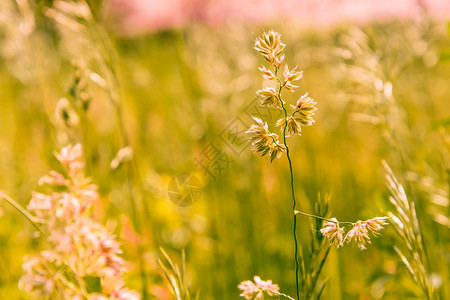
382,93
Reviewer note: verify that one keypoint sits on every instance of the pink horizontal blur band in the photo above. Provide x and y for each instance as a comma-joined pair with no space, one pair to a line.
135,16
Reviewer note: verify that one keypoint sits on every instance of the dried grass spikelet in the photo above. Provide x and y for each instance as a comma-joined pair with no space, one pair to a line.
267,74
333,232
410,247
263,141
306,109
374,225
269,98
275,150
257,289
291,124
289,76
359,234
270,47
302,115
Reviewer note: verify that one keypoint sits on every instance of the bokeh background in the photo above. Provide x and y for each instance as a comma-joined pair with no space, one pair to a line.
175,77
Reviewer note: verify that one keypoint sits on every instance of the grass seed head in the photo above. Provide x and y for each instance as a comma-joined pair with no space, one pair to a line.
255,290
333,232
270,47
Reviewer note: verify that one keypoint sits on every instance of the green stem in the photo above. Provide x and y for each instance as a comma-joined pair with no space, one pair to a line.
292,188
293,207
296,212
20,209
284,295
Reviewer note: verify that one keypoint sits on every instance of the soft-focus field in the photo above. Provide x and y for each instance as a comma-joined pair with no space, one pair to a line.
383,92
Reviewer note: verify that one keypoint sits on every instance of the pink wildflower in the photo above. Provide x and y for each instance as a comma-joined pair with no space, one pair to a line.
81,246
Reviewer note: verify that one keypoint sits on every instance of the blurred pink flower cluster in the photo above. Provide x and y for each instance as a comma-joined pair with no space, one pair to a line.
79,248
151,15
255,290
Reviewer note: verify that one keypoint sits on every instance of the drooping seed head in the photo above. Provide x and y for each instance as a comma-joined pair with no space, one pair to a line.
306,108
333,232
374,225
358,235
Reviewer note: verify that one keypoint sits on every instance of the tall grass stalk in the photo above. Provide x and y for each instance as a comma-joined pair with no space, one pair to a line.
406,224
294,201
267,143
